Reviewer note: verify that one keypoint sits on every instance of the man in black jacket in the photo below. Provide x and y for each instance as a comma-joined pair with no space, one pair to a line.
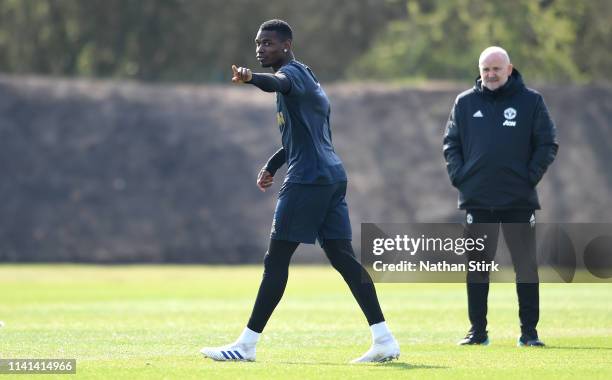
498,143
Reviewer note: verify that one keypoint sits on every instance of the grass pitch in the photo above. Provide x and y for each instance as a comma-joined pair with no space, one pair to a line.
149,322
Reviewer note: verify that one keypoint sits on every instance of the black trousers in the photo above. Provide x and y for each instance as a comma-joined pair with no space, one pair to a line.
518,227
276,271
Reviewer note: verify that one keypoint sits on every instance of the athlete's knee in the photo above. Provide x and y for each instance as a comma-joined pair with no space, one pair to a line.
341,256
338,247
275,266
278,257
334,252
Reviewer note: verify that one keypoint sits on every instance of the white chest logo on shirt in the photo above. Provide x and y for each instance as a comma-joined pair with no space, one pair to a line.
509,114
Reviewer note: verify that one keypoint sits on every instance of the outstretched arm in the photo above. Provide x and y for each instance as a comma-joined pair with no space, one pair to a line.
277,82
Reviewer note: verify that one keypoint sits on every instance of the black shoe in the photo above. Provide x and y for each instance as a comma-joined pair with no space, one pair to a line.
473,338
529,341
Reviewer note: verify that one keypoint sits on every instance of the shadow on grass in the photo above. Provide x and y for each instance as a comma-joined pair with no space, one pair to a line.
576,348
400,365
394,365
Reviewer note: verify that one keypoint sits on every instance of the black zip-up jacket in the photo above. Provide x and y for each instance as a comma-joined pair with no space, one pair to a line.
498,144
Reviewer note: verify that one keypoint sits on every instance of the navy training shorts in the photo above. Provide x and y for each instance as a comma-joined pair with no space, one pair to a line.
306,212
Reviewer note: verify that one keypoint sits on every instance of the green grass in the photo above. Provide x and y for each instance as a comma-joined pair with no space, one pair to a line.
149,322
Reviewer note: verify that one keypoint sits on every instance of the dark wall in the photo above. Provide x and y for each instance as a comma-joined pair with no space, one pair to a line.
123,172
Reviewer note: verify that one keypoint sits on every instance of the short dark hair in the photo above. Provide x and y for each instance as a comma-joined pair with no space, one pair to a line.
280,27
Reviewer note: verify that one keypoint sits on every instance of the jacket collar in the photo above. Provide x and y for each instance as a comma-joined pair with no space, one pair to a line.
514,84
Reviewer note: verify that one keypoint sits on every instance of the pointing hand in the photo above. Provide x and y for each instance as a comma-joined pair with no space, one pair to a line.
241,74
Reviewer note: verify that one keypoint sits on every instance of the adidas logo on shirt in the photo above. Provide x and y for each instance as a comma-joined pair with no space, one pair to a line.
477,114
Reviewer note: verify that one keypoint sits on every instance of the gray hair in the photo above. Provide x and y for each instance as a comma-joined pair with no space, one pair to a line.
493,50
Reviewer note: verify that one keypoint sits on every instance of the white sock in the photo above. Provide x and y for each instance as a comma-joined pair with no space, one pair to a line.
380,332
248,337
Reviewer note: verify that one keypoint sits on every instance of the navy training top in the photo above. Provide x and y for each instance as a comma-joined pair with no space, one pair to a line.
303,119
